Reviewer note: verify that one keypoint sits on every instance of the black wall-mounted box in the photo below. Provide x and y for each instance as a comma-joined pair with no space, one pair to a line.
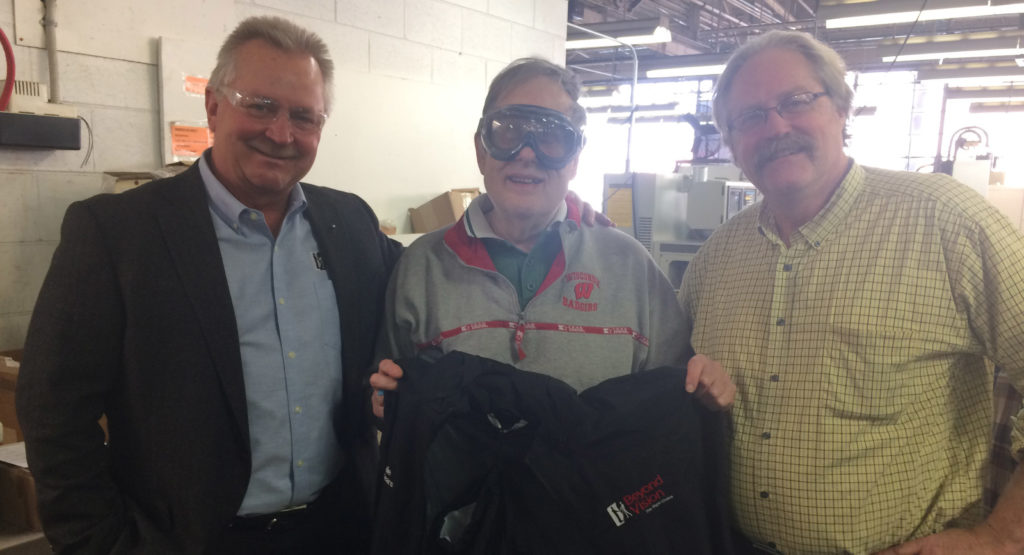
31,130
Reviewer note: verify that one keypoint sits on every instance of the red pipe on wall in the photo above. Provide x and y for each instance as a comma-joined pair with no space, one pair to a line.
5,97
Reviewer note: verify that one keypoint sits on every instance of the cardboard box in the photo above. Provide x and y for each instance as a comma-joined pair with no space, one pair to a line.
9,367
442,210
18,506
8,416
119,182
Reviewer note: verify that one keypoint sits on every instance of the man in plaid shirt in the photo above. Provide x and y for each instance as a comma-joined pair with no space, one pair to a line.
858,312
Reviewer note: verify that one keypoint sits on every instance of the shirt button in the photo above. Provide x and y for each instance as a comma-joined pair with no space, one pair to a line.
291,354
766,435
780,322
298,410
764,494
817,243
254,216
280,300
774,378
787,267
531,286
300,463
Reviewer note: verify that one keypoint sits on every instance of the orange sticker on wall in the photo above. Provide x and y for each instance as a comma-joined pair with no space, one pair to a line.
190,140
195,85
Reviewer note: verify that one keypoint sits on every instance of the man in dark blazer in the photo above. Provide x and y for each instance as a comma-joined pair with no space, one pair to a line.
152,314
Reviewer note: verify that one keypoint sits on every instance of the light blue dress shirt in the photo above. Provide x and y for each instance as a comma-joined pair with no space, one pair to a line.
290,340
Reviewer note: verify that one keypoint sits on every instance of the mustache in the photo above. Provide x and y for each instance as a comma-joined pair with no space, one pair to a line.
772,149
272,149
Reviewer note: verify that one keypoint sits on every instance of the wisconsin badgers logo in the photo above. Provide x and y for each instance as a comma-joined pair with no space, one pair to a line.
583,290
584,286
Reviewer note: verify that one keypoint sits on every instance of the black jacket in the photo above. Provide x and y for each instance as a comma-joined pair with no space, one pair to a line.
632,465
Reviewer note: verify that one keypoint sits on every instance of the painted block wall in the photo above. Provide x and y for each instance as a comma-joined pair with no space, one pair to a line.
410,80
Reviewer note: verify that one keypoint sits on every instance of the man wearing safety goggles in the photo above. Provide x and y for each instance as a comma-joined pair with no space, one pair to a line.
518,280
520,267
520,253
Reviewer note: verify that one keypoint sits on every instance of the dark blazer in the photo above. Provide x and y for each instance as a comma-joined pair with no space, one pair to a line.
135,321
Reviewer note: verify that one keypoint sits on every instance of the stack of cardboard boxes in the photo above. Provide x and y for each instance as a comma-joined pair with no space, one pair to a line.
18,509
444,209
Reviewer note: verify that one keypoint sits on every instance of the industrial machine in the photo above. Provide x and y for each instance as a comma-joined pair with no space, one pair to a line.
673,214
968,159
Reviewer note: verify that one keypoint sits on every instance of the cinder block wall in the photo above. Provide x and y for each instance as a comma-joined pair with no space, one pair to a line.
411,77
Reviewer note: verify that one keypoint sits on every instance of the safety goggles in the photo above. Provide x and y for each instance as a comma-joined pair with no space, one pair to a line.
265,109
549,133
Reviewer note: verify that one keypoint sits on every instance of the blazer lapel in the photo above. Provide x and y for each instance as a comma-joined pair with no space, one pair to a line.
184,218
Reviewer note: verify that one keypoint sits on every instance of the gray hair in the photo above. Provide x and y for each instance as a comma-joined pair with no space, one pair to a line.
281,34
825,62
524,69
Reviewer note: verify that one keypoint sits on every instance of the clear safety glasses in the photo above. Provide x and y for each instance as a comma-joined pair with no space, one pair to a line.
267,110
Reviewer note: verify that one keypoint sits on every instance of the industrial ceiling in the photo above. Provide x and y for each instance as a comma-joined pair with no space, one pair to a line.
708,30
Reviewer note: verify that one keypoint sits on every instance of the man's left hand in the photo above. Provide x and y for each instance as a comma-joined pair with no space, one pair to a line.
708,381
980,540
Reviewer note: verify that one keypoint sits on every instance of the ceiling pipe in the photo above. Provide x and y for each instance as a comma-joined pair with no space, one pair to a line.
50,28
717,12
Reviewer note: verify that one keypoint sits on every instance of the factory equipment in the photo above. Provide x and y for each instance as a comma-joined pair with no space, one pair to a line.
673,214
968,159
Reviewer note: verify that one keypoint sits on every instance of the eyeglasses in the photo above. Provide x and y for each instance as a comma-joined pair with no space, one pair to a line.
553,138
790,106
265,109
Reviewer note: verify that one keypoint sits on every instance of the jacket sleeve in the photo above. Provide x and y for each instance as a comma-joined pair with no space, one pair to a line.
669,342
395,336
71,359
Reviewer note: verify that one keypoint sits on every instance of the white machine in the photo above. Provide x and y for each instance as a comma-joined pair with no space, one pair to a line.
672,214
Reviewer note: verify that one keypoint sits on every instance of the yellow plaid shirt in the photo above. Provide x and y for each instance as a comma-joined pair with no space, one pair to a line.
864,402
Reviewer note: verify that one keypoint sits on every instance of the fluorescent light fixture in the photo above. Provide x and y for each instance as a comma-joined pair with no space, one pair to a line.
631,31
1001,92
990,72
658,35
996,107
926,15
992,53
691,71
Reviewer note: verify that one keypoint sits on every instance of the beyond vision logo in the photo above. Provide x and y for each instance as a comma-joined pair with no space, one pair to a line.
645,500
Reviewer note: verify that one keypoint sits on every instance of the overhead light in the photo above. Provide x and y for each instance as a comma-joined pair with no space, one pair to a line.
688,71
924,15
636,31
658,35
993,53
1005,70
687,65
1001,92
952,46
989,107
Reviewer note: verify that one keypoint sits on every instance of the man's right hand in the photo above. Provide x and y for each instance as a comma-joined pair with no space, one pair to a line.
384,379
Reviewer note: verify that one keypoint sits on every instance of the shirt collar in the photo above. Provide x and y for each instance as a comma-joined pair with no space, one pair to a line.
478,226
228,208
815,232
